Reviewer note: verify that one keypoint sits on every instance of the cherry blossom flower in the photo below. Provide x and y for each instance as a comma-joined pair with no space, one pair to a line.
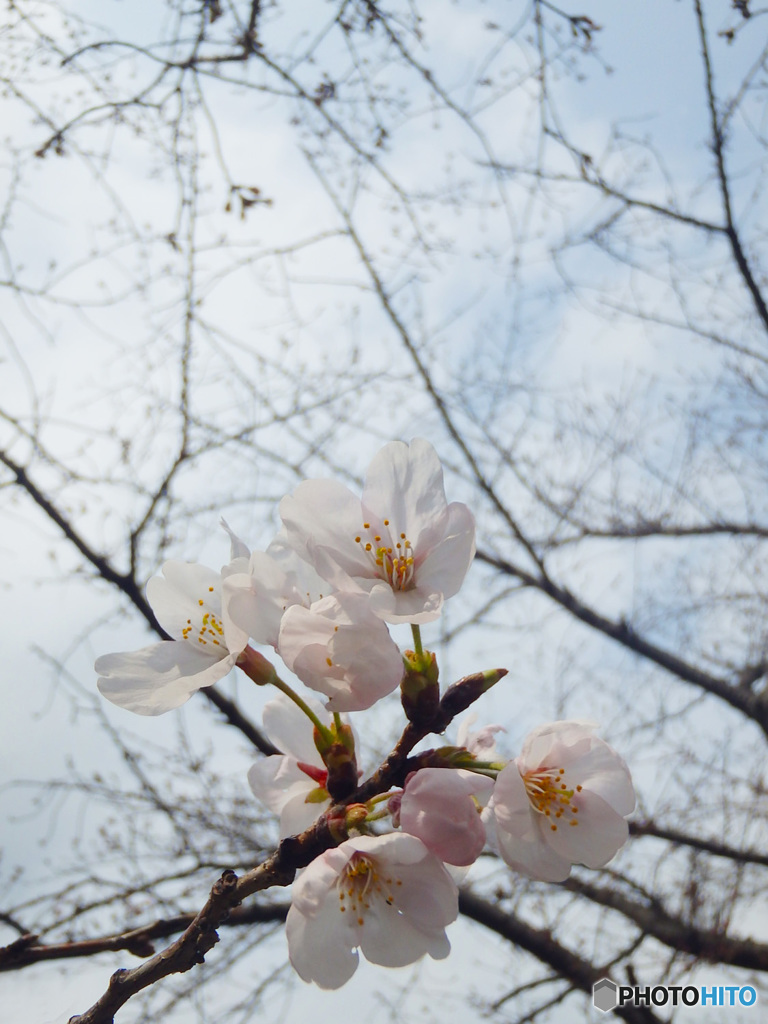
402,544
271,581
292,784
339,647
438,806
206,645
481,743
387,896
561,802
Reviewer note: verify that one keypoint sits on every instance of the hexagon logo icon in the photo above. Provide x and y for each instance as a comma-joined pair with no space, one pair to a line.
604,995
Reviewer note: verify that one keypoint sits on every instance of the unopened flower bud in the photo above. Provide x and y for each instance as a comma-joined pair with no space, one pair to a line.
338,755
356,815
461,695
420,688
256,667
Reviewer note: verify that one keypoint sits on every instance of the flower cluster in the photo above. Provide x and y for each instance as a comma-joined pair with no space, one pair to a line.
322,595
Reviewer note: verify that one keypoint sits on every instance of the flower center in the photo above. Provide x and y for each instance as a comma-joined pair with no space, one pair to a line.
390,554
360,883
209,630
551,796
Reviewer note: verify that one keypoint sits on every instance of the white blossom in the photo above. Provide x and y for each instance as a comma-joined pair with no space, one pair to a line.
291,784
340,648
402,544
561,802
187,603
387,896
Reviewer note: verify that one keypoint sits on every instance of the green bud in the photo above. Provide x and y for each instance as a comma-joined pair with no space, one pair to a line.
337,750
420,690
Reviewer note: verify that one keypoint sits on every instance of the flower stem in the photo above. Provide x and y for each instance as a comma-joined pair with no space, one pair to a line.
324,731
378,799
481,767
377,816
417,647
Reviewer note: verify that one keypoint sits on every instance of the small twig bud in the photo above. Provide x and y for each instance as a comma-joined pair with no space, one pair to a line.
420,689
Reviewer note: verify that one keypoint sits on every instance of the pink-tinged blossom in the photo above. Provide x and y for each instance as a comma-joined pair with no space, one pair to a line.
402,544
387,896
561,802
438,807
206,644
270,582
481,743
292,784
340,648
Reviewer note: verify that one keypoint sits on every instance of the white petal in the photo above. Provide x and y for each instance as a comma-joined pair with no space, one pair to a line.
290,730
298,815
238,548
321,520
176,595
598,836
321,947
552,743
340,648
301,628
404,484
317,882
446,565
532,856
517,831
396,847
428,895
276,780
418,606
391,940
159,678
255,601
603,772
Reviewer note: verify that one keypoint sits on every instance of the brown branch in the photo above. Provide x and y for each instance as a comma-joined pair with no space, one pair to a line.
539,941
717,849
738,697
675,932
656,528
718,149
138,941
